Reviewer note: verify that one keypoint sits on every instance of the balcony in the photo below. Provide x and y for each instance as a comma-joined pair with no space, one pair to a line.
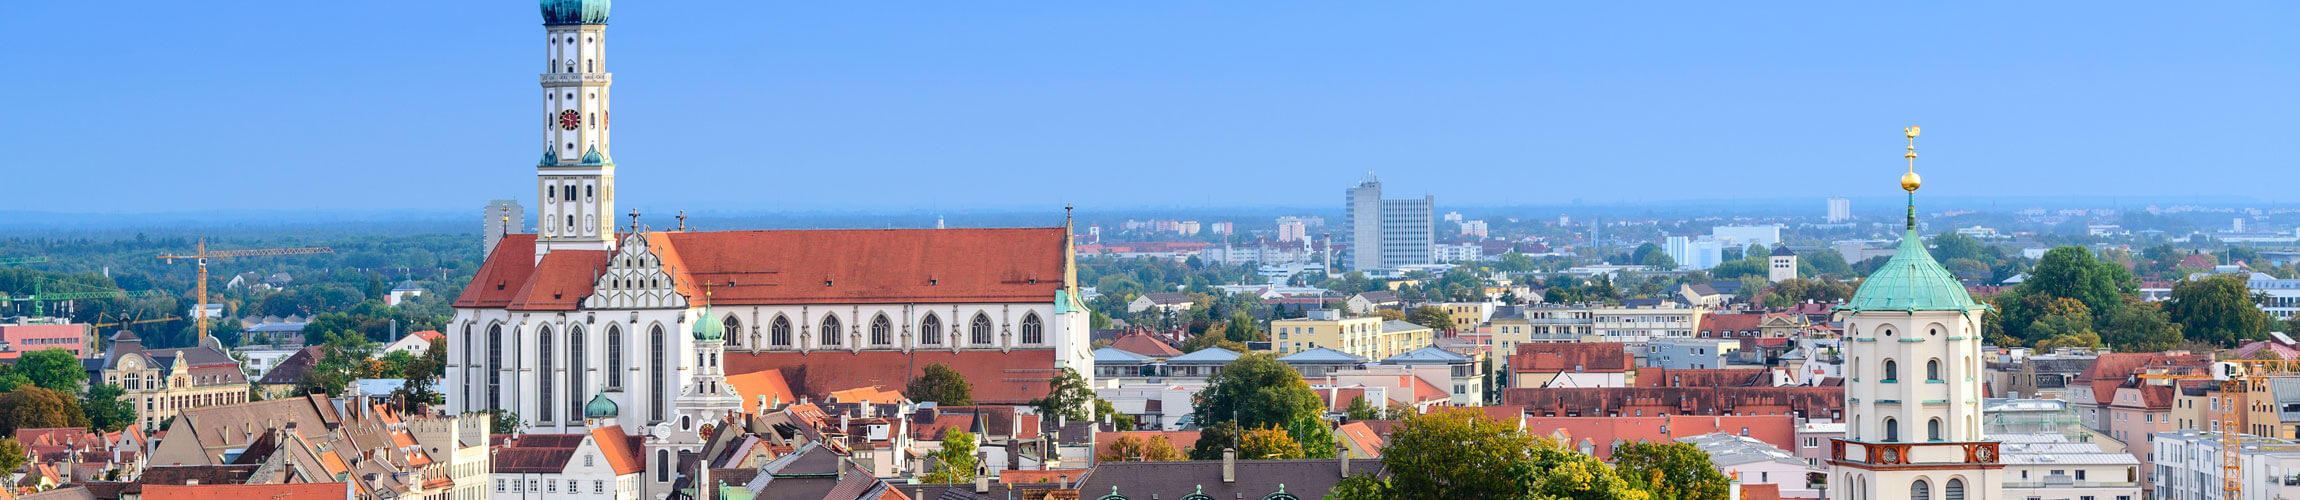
1896,454
564,78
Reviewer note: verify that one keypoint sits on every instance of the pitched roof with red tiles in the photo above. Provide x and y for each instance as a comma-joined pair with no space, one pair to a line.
1817,402
1013,377
1728,325
2198,260
1589,357
1424,391
1143,343
244,491
623,452
767,385
1363,438
426,335
1719,377
2112,369
1760,492
874,394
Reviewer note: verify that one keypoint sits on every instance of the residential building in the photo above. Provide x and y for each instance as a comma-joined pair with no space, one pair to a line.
43,334
1459,374
1322,361
1592,364
405,291
1165,302
2190,467
1368,337
1457,252
2048,465
1386,234
1683,354
1293,229
1367,302
2049,376
604,463
2092,392
163,383
1694,253
1840,210
1467,316
1755,461
259,360
414,343
1742,236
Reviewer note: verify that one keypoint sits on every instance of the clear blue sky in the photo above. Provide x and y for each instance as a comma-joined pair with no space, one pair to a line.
739,105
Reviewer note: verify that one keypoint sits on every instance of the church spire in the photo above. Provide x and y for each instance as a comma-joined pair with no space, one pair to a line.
1910,181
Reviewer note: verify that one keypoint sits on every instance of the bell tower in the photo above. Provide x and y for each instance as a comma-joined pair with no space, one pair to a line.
575,179
1913,390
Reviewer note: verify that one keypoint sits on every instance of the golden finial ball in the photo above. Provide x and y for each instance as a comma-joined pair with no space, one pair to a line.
1910,181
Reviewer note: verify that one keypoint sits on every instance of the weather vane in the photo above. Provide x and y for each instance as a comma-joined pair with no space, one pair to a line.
1910,181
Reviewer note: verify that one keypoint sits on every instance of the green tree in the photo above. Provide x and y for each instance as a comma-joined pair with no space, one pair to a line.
1437,318
346,357
1461,454
1361,410
1670,470
35,407
1140,448
54,369
2219,309
2140,327
1240,328
105,408
955,462
12,455
504,422
942,385
1256,391
10,382
2062,318
2084,340
1067,396
1268,443
1120,421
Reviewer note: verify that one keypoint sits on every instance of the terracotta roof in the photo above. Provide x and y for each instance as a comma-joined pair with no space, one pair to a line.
2112,369
1183,441
1760,492
1728,325
874,394
2198,260
426,335
1815,402
623,452
1363,438
1577,357
763,384
291,370
244,491
1142,343
1724,377
1424,391
1013,377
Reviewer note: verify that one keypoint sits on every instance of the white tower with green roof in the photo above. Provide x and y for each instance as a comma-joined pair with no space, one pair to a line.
575,179
1913,382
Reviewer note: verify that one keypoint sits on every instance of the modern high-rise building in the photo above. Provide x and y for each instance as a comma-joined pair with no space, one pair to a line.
1387,234
1694,253
1840,210
1293,229
1913,383
1763,234
499,218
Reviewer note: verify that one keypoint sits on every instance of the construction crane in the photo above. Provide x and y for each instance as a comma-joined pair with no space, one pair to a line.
13,261
202,256
40,297
107,320
2237,378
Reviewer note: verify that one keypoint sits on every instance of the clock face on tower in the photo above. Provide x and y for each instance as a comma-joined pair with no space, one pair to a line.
570,119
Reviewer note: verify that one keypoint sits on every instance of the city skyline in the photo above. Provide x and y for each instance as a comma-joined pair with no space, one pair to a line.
958,112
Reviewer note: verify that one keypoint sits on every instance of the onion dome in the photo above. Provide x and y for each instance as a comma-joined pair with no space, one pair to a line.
575,11
708,329
601,407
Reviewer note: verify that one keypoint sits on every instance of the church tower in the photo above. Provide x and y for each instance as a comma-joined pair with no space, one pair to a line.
575,180
1913,390
707,398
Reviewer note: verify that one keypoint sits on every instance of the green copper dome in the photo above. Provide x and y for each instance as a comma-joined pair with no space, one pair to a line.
601,407
708,329
575,11
1911,281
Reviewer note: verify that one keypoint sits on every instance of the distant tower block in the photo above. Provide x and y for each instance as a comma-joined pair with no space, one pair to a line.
498,218
1783,264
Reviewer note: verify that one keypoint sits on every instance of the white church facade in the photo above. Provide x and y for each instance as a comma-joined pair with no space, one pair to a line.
586,308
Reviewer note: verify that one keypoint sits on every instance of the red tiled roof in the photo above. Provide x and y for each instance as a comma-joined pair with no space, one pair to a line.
622,451
1363,437
1424,391
2198,260
768,384
1728,325
874,394
2112,369
871,266
1142,343
1578,357
244,491
1725,377
1013,377
1760,492
1816,402
1603,432
427,335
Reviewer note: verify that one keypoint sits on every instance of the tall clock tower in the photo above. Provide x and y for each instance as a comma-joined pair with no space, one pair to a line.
575,180
1913,390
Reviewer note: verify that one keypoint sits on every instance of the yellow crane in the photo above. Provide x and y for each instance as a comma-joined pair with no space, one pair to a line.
202,256
2237,378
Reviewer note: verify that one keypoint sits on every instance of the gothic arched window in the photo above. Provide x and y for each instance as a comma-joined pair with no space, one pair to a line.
658,385
779,332
543,378
978,330
614,356
881,331
930,330
575,366
1033,331
830,333
734,329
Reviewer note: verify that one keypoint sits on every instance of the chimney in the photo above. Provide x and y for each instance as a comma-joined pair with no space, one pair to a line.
1229,465
981,477
1733,489
1344,448
1062,481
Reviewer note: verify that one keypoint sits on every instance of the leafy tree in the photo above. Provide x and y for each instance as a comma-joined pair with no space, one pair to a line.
1139,448
54,369
1361,410
1120,421
1437,318
1256,391
1268,443
346,357
2085,340
1824,262
2062,318
12,455
1737,269
2217,309
2140,327
1069,396
1670,470
12,381
1461,454
1212,439
105,410
504,422
1201,342
1240,328
35,407
955,462
942,385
